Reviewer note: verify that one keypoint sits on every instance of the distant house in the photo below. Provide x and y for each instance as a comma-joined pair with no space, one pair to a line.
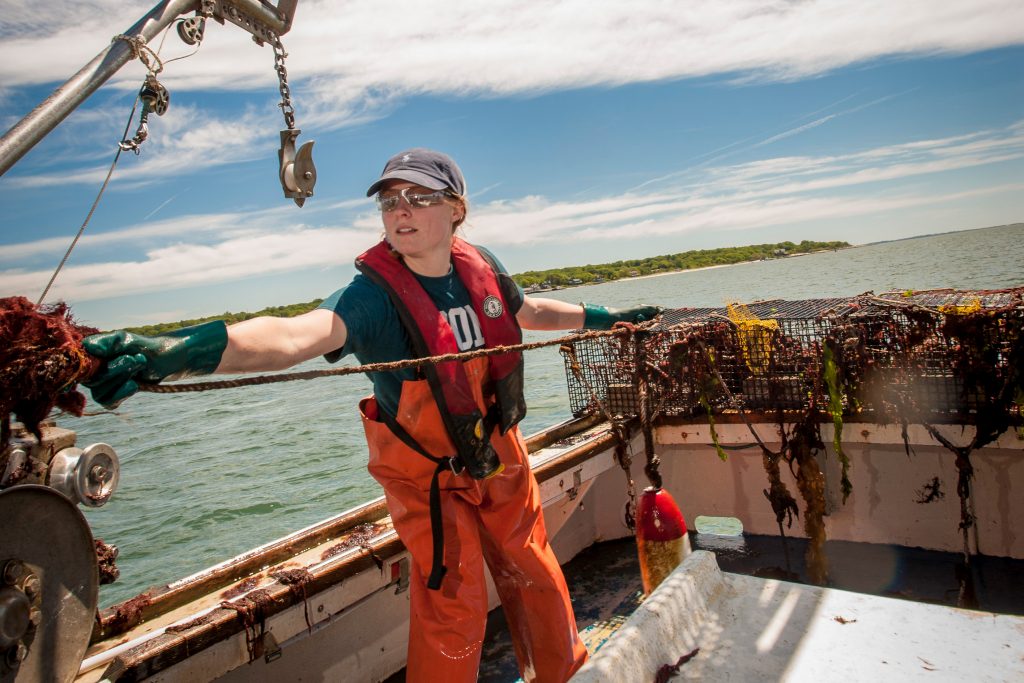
575,281
780,252
598,279
634,273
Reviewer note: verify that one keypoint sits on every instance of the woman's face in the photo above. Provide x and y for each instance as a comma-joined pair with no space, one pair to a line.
419,232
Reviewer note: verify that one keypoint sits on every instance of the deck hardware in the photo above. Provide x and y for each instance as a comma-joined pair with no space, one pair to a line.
577,481
17,465
155,99
400,575
15,610
14,572
191,30
298,173
271,648
49,587
88,477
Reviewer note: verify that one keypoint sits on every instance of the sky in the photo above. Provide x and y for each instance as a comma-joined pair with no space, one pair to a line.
588,132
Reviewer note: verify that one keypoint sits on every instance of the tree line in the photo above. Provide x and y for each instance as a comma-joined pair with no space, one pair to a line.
276,311
561,277
687,260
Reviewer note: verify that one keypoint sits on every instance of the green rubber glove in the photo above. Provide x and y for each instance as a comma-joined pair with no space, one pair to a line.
602,317
133,358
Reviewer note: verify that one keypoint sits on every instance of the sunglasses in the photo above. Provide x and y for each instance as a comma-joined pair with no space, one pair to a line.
389,202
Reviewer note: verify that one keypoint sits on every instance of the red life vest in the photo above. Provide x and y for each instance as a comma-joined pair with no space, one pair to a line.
430,334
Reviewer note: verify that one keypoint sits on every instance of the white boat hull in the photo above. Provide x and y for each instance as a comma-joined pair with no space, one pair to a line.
360,620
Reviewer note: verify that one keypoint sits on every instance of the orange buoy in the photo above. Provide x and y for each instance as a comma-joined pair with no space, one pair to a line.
661,538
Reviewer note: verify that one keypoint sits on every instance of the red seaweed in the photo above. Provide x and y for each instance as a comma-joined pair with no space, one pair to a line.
41,361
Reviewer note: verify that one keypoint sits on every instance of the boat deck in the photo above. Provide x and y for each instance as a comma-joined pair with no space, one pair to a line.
604,582
705,624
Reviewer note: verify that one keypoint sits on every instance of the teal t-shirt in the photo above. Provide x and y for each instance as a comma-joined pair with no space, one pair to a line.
376,334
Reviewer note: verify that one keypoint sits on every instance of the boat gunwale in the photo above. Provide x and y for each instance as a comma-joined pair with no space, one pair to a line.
157,602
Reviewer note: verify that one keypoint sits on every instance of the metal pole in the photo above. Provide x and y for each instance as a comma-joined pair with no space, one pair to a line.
44,118
30,130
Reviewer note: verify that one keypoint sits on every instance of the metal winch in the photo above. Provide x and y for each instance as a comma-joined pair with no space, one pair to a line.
49,580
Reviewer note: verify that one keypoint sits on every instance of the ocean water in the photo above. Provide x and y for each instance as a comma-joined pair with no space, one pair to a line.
207,476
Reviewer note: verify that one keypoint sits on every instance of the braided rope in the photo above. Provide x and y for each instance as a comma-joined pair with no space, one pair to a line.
143,52
372,367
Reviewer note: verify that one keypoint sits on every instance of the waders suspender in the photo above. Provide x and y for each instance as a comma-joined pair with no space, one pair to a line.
453,463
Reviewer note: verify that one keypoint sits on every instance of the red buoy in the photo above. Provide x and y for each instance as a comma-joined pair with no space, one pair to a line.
661,538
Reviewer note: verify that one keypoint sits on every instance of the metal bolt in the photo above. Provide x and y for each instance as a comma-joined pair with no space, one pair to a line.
307,175
35,616
31,586
13,571
99,474
16,655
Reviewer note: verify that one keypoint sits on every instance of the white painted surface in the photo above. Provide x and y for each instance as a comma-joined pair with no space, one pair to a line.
750,629
887,483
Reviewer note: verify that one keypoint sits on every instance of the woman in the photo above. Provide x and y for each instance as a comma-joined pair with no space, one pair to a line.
442,440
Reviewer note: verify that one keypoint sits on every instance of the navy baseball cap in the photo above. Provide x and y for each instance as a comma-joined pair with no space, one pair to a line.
425,167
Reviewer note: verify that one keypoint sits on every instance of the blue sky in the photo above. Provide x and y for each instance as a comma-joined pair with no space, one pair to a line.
588,132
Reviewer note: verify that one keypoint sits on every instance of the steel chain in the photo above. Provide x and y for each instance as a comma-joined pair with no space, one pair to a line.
282,77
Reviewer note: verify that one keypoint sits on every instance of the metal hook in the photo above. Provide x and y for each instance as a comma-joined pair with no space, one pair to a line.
298,173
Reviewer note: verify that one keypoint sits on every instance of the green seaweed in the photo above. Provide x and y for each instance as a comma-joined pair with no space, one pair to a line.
711,425
835,410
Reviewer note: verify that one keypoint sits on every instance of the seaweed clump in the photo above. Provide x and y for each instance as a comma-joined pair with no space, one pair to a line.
41,361
886,359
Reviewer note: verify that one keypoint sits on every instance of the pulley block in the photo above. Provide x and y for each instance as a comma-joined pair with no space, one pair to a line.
88,477
154,96
49,587
191,30
298,173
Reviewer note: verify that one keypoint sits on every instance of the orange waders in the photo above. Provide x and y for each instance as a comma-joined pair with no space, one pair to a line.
499,520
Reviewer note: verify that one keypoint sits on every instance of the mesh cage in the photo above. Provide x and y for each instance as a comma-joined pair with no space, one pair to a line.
934,354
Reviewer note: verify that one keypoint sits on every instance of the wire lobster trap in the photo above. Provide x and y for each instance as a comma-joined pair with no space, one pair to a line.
932,354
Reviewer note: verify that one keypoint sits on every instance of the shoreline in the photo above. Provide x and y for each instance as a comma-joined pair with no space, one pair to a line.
691,270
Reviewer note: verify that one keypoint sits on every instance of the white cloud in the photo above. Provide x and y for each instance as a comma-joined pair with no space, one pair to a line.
355,58
756,194
770,192
183,265
211,227
350,62
179,142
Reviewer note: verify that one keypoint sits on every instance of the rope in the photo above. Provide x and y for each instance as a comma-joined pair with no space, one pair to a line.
92,210
371,367
144,53
148,57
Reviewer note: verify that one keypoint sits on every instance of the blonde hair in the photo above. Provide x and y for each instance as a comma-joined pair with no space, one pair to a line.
462,202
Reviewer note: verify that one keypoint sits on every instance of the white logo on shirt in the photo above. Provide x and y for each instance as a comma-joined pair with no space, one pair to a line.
466,327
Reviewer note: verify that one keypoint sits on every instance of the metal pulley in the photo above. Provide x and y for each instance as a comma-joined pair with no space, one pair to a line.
49,586
191,30
156,99
88,477
298,173
154,96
